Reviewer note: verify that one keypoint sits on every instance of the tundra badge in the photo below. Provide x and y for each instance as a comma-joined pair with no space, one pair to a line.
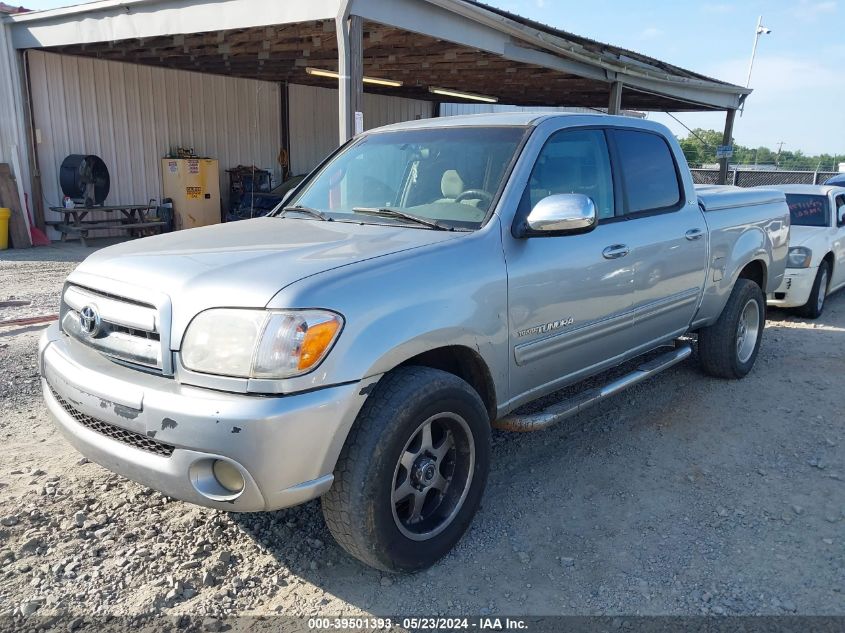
546,327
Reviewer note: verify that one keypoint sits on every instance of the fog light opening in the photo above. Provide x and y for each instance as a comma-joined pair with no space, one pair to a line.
228,476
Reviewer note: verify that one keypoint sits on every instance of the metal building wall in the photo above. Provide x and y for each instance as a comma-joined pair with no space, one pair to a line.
131,116
8,121
314,120
12,126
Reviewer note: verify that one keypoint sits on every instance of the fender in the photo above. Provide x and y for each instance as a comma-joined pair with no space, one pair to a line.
725,268
452,293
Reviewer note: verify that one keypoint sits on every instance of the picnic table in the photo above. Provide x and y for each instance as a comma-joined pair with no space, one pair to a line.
138,219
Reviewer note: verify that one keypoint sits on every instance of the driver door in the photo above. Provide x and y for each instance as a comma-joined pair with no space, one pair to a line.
569,296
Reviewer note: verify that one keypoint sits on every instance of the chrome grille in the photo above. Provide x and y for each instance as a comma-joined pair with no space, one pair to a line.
126,330
136,440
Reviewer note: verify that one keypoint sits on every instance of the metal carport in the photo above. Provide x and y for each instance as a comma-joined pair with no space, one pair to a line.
416,45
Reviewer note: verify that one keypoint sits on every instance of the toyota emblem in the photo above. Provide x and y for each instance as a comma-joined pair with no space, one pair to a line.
89,320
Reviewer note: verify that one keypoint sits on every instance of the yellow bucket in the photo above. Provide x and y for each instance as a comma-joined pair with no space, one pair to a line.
5,214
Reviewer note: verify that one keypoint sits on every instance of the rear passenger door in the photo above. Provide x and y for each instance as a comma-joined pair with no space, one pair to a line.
665,232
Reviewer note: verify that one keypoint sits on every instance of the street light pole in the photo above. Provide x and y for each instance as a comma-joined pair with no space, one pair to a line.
761,30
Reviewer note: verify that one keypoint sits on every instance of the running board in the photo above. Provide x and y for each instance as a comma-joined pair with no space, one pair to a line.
562,410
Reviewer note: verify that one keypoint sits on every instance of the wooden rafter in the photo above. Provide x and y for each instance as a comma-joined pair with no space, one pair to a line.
281,53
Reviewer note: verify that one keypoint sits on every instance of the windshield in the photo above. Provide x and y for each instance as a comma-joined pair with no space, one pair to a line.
808,210
447,176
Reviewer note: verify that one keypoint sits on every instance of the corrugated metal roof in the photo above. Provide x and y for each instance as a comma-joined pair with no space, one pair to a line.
596,46
6,8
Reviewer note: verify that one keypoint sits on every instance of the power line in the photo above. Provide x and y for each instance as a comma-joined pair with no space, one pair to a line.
703,142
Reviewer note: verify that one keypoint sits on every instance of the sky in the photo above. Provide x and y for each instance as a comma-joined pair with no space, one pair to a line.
798,78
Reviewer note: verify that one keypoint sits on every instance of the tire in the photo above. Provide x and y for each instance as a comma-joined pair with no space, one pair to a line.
815,304
385,458
719,348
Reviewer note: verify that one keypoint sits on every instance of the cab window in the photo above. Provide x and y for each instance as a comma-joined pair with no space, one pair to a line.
574,161
840,210
648,170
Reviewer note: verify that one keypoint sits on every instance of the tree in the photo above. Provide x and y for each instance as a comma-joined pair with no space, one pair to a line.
699,147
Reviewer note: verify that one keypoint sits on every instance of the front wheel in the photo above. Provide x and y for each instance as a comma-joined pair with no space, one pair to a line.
410,477
815,304
729,347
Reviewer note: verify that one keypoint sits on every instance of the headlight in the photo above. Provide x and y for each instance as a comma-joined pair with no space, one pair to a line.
799,257
259,343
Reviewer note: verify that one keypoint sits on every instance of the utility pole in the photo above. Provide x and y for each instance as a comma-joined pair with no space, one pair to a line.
777,158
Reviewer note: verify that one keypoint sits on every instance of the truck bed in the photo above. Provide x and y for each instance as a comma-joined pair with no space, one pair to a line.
744,224
721,197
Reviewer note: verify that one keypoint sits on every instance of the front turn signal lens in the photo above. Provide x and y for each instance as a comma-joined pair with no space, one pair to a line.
294,342
316,341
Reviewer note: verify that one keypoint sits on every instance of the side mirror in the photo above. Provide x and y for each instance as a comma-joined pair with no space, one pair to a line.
561,214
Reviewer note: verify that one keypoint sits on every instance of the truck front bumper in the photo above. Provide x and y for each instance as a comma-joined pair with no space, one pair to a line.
167,436
795,289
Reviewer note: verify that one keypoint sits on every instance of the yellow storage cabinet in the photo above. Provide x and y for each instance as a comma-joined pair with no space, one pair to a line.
194,186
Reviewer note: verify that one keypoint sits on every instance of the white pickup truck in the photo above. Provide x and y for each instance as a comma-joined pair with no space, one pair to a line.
419,287
816,264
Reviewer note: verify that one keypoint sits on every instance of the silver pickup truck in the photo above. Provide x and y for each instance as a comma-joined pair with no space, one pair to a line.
418,288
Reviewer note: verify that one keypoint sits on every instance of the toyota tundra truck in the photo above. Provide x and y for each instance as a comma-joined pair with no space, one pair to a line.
417,289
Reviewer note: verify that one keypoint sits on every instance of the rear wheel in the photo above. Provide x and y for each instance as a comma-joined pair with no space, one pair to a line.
410,477
815,304
729,347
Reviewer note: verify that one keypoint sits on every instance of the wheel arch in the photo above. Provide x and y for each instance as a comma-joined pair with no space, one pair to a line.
756,271
465,363
831,260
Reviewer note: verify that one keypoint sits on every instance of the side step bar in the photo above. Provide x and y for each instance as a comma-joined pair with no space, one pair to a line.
562,410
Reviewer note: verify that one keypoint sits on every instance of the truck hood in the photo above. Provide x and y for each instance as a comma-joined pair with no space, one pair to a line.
244,263
801,235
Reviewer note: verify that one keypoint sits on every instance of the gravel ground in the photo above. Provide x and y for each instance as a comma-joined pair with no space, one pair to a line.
686,495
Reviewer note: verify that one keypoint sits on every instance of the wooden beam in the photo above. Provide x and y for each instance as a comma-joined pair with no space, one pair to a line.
37,200
47,318
18,224
727,138
284,88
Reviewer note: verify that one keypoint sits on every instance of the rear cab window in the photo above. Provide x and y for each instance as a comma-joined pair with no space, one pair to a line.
650,175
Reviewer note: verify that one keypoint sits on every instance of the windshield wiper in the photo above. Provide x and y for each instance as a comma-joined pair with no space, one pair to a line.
314,213
402,215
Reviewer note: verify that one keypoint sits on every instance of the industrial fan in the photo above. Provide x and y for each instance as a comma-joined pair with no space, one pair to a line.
85,179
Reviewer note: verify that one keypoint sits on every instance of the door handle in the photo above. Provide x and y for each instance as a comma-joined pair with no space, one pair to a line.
616,251
694,234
